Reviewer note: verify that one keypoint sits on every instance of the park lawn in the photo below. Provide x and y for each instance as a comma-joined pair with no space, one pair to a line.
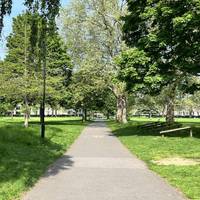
161,119
24,156
149,146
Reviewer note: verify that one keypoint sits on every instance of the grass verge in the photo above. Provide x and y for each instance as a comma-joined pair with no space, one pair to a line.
149,146
24,157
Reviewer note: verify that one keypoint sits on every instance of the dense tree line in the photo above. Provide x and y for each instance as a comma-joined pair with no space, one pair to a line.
167,33
22,72
122,54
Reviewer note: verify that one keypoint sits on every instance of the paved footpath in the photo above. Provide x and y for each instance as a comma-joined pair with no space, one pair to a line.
99,167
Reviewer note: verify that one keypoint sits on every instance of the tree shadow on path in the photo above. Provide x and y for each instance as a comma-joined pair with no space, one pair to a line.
63,163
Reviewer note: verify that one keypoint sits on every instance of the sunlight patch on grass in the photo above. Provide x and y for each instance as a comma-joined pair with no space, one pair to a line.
177,161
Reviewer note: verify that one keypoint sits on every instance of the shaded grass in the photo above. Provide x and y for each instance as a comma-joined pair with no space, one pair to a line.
24,156
148,146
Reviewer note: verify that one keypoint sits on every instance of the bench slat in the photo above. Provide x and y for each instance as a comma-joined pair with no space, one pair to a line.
177,129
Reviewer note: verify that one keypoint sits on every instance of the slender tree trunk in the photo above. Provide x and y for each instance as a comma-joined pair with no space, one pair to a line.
84,114
76,113
163,111
108,115
12,114
26,113
170,111
52,112
121,109
42,121
191,113
170,104
26,120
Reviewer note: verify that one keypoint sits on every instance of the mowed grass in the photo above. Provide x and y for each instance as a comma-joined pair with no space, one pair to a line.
24,156
148,145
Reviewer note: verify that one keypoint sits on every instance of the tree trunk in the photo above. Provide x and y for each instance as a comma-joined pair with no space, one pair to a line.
170,111
84,115
163,111
42,120
26,113
26,120
108,115
170,105
12,114
191,113
119,90
121,109
52,112
76,113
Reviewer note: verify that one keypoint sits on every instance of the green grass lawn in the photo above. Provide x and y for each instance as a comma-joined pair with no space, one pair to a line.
149,146
24,156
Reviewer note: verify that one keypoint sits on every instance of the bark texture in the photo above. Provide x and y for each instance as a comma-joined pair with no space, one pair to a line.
84,115
121,96
170,111
121,109
171,104
26,113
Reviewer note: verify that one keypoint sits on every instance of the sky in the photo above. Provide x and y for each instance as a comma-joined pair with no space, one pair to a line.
17,8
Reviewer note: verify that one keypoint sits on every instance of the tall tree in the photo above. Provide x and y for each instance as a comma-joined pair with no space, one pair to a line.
168,31
51,7
92,30
89,88
45,23
59,70
21,75
48,10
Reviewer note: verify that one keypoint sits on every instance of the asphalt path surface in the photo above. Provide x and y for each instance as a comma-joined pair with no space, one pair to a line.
99,167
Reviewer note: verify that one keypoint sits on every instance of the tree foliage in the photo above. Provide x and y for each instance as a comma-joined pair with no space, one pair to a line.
168,31
5,8
132,65
21,70
92,31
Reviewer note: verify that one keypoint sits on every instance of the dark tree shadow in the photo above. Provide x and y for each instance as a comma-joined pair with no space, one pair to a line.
63,163
133,129
25,157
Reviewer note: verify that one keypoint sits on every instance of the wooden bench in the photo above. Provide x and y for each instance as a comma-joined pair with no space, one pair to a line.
177,129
